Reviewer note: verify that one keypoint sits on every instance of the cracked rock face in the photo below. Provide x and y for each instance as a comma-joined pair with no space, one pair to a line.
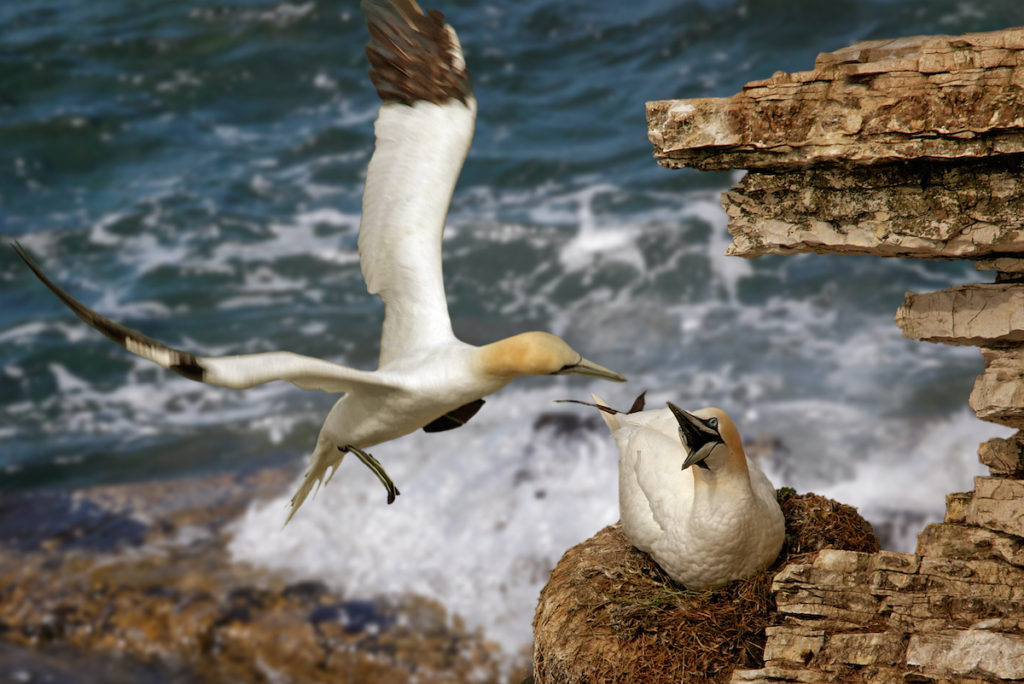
906,147
897,148
882,101
963,210
979,315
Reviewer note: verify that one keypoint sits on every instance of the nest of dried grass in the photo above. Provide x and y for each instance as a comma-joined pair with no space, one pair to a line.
610,614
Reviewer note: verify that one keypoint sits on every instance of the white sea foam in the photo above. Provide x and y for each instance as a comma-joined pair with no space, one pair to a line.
479,533
593,239
300,236
25,331
905,477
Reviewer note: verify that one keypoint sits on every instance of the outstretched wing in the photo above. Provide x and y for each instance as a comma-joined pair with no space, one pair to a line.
424,129
237,372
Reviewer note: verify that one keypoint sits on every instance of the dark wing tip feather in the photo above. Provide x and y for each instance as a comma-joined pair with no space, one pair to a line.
181,362
411,54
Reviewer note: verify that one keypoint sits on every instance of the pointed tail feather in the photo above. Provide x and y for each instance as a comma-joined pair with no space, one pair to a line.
609,417
325,456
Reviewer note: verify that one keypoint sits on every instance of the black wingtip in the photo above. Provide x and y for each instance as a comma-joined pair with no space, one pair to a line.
183,363
638,403
20,251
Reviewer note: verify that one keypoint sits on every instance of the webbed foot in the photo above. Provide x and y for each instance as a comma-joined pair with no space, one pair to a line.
378,470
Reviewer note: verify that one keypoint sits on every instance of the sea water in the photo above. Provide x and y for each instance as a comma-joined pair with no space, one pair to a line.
194,170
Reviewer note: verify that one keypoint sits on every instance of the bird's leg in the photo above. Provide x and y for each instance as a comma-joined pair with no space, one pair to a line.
378,470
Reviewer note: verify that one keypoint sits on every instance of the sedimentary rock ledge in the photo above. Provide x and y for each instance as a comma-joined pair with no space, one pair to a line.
882,101
949,612
1009,266
987,314
998,394
911,147
950,211
946,619
1004,456
908,147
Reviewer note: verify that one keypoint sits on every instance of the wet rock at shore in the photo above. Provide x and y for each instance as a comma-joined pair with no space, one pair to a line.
135,579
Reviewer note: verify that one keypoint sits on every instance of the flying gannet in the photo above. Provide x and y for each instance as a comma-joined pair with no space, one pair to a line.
426,377
705,525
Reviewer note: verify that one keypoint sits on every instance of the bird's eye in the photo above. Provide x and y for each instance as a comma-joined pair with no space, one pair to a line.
713,423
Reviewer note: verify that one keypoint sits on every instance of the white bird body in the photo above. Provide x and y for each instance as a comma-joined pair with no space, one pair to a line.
426,377
705,526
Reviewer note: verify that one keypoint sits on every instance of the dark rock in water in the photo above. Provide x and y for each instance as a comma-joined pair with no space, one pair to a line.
28,520
355,617
308,591
566,424
90,593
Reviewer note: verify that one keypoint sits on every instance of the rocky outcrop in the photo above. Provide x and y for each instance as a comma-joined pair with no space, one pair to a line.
877,101
983,315
952,611
912,148
904,147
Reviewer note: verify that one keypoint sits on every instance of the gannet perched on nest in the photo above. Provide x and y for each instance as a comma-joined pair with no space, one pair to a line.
426,378
704,525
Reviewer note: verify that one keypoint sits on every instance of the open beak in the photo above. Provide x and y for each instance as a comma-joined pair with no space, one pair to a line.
591,370
699,439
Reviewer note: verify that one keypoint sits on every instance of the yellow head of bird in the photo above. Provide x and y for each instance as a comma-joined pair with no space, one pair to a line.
539,353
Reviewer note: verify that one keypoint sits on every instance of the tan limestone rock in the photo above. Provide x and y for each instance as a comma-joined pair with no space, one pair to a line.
956,506
983,314
998,394
926,97
1004,456
906,147
975,651
777,675
866,648
784,645
1002,264
970,542
998,504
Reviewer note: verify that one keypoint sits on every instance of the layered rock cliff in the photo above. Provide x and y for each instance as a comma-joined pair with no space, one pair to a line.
911,148
900,148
